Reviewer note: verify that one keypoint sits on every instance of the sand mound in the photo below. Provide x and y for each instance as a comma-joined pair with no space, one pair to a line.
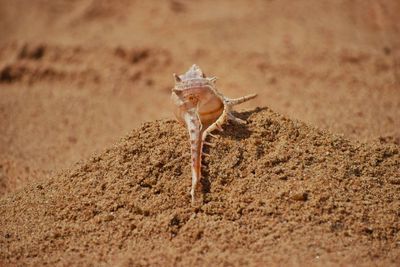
276,191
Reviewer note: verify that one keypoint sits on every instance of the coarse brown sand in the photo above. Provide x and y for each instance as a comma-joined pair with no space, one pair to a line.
76,76
275,192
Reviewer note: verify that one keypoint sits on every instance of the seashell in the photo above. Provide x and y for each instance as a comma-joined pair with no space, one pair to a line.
201,109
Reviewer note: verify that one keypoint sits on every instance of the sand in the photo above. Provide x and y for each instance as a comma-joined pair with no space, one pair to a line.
318,184
276,185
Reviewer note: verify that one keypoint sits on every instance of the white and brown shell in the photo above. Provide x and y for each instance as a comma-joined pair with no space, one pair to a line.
202,109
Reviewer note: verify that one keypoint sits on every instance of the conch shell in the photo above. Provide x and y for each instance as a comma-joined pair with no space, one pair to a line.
202,109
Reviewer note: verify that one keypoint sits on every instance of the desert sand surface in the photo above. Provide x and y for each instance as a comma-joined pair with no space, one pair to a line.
94,170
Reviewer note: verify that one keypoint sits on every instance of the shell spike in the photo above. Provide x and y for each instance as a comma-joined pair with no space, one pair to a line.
236,119
240,100
176,77
194,126
212,79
